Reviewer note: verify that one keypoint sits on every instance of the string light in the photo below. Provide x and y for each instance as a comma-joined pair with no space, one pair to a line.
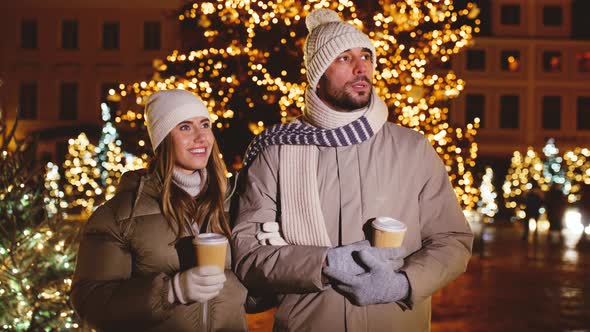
524,170
32,260
92,172
487,206
571,171
577,171
251,70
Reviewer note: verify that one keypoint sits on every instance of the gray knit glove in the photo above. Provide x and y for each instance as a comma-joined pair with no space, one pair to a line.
381,284
343,258
346,258
394,257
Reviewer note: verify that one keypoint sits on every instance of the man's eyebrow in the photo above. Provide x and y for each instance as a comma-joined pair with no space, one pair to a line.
205,120
364,49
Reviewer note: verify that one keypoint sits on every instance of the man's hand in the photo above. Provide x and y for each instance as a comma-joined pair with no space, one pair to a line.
392,256
381,284
343,258
346,258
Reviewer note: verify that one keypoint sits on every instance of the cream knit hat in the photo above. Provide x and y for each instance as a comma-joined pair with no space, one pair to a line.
328,37
165,109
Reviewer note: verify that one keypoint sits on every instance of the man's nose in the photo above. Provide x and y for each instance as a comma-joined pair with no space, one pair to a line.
359,66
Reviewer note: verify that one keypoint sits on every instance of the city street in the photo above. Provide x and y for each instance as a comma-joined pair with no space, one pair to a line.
514,286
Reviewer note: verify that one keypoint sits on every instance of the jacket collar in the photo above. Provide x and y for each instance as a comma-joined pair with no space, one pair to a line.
150,184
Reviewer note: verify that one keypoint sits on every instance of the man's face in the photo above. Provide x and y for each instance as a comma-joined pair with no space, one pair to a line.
347,83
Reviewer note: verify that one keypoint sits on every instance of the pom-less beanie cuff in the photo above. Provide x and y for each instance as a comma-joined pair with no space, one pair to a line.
325,55
166,109
164,125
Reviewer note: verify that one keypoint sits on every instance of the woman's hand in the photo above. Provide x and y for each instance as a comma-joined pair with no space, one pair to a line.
197,284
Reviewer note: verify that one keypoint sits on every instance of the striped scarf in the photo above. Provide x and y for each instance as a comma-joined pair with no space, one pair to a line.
302,221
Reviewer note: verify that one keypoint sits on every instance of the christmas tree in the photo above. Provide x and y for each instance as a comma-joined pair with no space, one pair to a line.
524,170
416,40
577,162
570,171
37,248
552,166
245,60
92,172
82,175
487,206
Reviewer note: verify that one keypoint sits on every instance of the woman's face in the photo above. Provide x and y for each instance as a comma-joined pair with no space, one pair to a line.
192,142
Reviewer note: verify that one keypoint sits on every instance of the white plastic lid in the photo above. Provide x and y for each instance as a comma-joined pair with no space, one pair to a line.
388,224
210,238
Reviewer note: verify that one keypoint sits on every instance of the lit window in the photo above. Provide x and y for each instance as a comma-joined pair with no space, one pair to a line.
552,61
583,59
510,61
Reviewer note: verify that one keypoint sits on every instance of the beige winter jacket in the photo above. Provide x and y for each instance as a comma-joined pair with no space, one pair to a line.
396,173
126,256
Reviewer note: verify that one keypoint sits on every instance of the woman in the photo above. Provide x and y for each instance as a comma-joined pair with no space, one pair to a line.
136,267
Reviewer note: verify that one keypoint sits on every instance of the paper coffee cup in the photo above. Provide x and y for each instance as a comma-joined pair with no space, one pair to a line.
388,232
210,249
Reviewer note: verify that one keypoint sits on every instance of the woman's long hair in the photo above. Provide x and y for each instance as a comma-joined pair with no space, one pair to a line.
209,203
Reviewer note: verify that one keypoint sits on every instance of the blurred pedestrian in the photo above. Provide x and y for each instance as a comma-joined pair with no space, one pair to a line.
555,203
533,202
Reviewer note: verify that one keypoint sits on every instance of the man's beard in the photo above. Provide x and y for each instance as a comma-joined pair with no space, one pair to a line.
341,99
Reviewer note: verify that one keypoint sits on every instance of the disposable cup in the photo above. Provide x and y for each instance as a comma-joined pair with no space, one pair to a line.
210,249
388,232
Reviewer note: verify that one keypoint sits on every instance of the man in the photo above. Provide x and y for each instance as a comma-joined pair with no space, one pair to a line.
556,203
533,202
312,187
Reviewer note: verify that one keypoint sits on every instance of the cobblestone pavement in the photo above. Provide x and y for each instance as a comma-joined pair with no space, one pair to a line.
511,286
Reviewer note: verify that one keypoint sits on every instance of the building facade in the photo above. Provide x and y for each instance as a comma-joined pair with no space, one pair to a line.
527,81
59,58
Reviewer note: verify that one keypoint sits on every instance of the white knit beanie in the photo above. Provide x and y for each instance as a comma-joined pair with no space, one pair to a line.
328,37
165,109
